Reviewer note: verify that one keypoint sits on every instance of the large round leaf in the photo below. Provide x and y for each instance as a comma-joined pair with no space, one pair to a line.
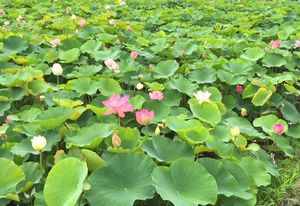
206,112
166,69
273,60
109,87
127,178
69,55
203,75
185,183
15,44
64,183
167,150
253,54
10,176
53,117
33,173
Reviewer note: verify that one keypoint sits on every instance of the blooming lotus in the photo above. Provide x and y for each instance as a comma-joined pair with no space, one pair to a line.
202,96
144,116
111,64
297,43
55,42
156,95
118,105
275,44
38,143
278,128
82,22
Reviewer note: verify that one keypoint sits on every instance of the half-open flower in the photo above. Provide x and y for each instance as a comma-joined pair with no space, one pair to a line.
118,105
144,116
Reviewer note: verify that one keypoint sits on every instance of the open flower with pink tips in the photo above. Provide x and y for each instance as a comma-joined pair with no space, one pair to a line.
118,105
144,116
156,95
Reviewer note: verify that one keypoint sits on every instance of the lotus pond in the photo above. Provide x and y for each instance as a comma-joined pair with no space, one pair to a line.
168,102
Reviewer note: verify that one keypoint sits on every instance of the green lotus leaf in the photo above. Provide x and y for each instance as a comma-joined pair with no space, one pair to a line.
69,55
90,136
237,66
161,110
90,46
231,78
10,175
85,71
137,101
167,150
243,124
130,137
53,117
273,60
194,135
93,160
184,85
290,112
267,122
203,75
14,44
166,69
261,96
33,174
108,87
253,54
294,131
256,169
185,183
64,183
206,112
127,178
284,144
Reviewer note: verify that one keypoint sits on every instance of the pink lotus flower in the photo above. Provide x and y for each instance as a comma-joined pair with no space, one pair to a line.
55,42
2,11
156,95
144,117
297,43
116,140
275,44
278,128
111,64
134,54
82,22
239,89
118,105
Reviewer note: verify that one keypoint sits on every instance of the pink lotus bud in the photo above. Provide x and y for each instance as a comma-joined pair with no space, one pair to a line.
130,29
275,44
134,54
239,89
156,95
297,43
144,117
278,129
116,140
2,11
183,53
82,22
55,42
111,64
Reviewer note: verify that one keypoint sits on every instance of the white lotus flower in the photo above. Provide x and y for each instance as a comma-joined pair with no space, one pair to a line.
202,96
57,69
38,143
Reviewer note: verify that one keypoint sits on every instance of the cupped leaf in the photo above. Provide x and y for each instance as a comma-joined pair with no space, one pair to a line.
10,175
69,55
253,54
166,69
290,112
108,87
15,44
127,178
185,183
64,183
261,96
167,150
273,60
206,112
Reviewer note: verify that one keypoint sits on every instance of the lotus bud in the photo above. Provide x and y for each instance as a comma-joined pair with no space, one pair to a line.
157,130
38,143
116,140
139,86
278,129
235,131
57,69
140,76
244,112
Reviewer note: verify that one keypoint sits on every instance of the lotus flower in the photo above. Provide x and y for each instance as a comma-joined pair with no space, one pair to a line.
156,95
118,105
82,22
111,64
55,42
275,44
116,140
202,96
278,129
297,43
57,69
134,54
73,17
38,143
144,117
139,86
